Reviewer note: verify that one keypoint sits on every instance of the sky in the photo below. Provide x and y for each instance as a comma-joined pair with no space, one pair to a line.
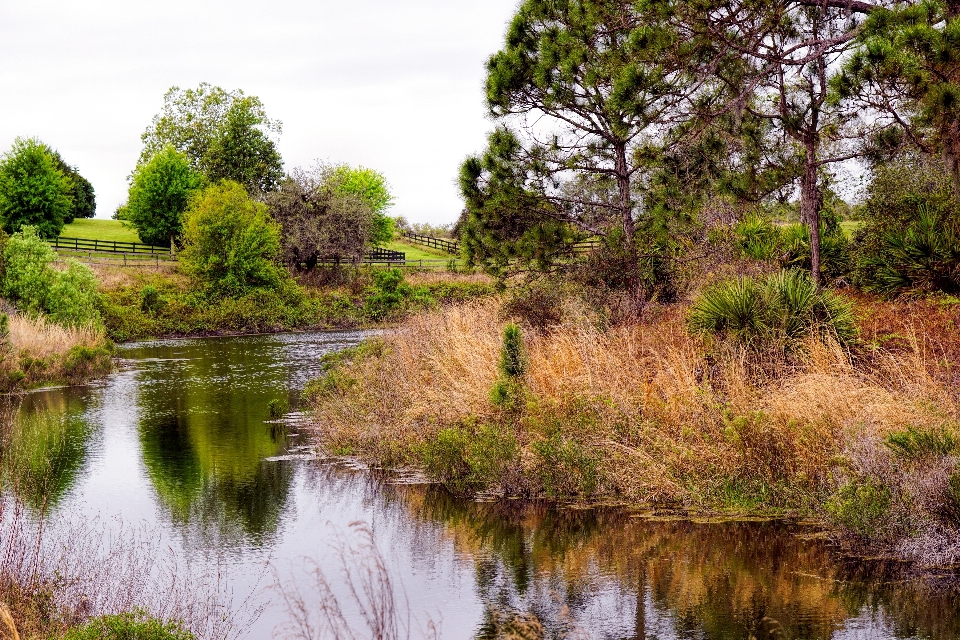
395,85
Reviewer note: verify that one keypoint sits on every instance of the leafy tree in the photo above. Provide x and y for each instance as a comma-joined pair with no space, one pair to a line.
370,187
225,135
159,194
907,68
320,221
33,189
231,244
83,194
586,92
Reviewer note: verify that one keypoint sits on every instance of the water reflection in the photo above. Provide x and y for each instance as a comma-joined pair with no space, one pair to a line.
204,428
46,447
613,574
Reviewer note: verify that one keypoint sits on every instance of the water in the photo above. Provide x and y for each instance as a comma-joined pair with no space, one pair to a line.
181,439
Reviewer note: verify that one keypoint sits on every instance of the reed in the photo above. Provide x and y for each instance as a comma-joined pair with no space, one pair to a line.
641,412
39,338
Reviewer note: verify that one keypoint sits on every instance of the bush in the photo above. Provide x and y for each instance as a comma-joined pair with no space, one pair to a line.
915,444
861,507
785,306
389,296
73,297
150,301
834,250
566,468
757,238
28,274
910,238
467,459
137,625
231,245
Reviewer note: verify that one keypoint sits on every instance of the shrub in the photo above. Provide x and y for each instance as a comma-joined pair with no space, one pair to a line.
915,444
507,392
466,459
908,242
783,306
389,296
834,250
861,507
73,297
231,245
138,625
566,468
150,301
757,237
28,274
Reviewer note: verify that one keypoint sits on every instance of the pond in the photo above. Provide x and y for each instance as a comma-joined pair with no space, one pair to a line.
181,439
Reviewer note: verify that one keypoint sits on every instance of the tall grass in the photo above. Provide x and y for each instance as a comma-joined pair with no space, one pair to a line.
40,338
640,412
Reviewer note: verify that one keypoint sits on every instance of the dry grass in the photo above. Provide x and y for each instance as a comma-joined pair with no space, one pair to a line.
39,338
670,421
113,276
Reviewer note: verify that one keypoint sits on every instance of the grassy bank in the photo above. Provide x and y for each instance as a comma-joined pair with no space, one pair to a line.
140,303
37,352
94,229
645,412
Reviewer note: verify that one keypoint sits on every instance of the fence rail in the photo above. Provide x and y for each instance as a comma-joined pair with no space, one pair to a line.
442,244
107,246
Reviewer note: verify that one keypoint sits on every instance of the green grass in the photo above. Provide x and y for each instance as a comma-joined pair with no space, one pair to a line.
850,227
416,251
94,229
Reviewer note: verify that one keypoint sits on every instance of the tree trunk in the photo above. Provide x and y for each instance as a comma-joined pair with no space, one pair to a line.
626,220
810,206
173,247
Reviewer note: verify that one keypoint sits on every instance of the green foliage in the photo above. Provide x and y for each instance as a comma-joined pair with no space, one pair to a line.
70,297
150,300
28,274
916,444
466,459
758,238
513,355
861,507
231,245
159,194
73,297
137,625
225,135
566,468
33,189
909,242
370,187
389,296
784,306
834,250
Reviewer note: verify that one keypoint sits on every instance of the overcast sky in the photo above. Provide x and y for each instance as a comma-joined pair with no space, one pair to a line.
395,85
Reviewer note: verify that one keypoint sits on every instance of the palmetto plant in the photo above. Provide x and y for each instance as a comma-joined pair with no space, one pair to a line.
923,258
782,307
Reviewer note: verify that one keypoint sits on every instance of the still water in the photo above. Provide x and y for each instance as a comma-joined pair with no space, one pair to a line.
181,440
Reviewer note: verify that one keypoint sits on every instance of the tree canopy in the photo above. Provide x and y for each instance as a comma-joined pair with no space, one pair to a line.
226,135
34,190
83,195
160,192
371,188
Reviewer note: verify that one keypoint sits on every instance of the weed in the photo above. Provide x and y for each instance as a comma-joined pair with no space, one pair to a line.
150,300
136,625
861,507
467,459
566,468
915,443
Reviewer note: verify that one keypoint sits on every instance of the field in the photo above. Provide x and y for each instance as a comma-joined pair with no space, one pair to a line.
416,251
95,229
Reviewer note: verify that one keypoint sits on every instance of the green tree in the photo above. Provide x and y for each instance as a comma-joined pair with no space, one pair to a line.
33,189
907,68
231,244
585,93
225,135
83,195
159,194
370,187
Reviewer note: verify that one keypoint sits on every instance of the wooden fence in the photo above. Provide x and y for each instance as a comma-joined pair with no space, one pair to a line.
107,246
442,244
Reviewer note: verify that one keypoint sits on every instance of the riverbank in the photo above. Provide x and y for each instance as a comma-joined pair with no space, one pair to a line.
149,302
37,352
865,441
